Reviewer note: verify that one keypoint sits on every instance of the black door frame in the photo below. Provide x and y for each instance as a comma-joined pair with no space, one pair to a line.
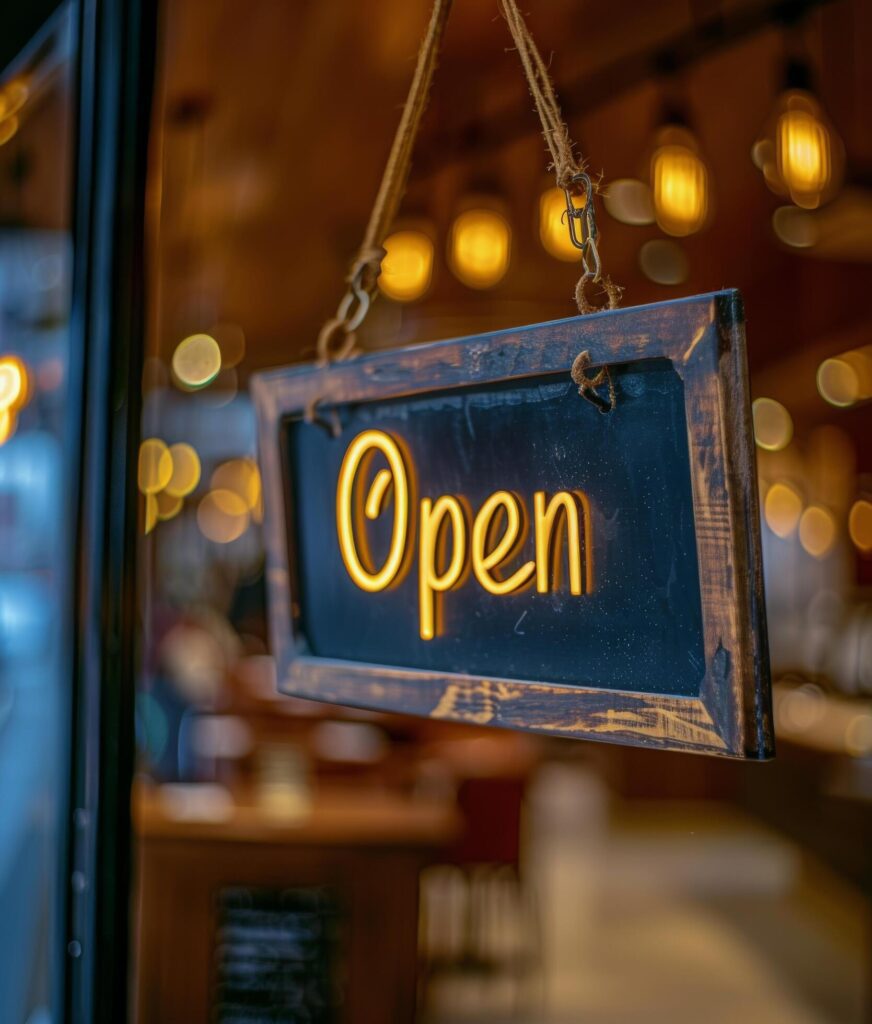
116,60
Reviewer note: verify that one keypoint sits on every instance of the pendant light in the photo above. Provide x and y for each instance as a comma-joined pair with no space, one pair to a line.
799,151
480,237
407,269
553,232
480,244
680,179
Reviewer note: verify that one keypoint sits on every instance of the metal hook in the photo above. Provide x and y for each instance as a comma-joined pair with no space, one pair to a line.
587,214
331,425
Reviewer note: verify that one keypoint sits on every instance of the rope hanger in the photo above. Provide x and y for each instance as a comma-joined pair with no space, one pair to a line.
337,338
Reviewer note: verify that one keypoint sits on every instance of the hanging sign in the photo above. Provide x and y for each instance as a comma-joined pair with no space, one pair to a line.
453,530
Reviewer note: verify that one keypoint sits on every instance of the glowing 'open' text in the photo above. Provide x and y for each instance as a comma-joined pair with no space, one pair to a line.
499,531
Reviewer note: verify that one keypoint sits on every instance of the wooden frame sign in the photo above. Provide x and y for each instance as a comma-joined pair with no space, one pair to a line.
457,532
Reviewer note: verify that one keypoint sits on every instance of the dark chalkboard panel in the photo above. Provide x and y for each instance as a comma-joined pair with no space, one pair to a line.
640,627
666,645
276,956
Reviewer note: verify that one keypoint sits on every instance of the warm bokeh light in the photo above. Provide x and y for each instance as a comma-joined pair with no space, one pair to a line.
553,228
803,150
679,182
837,382
846,378
479,248
155,466
222,516
773,426
197,361
796,228
817,531
241,477
185,472
663,261
150,513
782,509
629,201
860,525
14,383
8,422
168,505
408,265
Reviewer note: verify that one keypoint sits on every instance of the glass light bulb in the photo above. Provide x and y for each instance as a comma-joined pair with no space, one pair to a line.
679,183
800,152
408,265
803,150
479,248
553,229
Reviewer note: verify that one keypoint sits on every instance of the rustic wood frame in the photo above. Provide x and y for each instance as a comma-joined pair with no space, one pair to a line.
704,339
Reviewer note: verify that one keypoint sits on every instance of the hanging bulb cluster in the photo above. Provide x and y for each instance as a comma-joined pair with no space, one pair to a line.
799,153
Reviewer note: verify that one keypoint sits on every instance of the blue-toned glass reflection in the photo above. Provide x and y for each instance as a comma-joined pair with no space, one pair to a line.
38,444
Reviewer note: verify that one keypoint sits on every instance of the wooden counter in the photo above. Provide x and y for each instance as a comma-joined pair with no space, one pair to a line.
365,848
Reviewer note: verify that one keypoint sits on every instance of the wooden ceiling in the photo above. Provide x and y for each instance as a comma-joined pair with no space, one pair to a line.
273,120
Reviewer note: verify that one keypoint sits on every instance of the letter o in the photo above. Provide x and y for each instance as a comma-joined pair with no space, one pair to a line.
359,447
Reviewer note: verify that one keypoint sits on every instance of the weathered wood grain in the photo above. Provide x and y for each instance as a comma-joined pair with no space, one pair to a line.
703,337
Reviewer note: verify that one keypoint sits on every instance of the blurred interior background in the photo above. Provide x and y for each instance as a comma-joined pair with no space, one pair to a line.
303,862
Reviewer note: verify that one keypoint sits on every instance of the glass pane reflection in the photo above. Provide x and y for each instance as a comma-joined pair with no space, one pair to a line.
37,448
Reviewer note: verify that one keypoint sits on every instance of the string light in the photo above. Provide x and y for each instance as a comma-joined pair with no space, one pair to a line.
679,182
407,268
479,248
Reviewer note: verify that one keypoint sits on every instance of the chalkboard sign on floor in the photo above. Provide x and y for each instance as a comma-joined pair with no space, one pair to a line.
453,530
